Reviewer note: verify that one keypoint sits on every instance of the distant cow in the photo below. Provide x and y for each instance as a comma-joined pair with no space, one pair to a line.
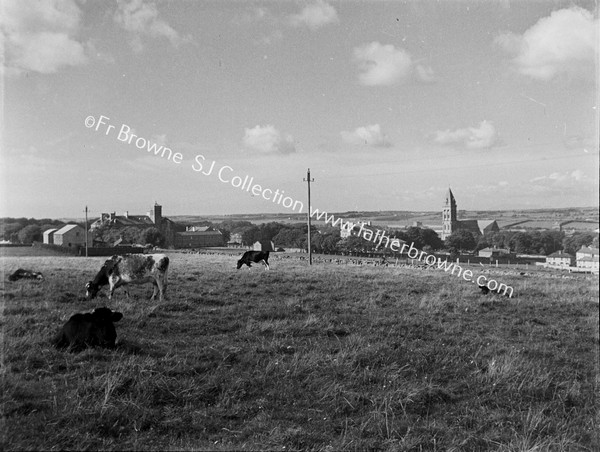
25,274
95,329
254,256
486,290
131,269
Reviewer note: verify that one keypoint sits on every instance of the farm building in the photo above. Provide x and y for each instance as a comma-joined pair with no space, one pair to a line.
198,237
493,252
152,218
176,235
71,235
560,259
265,245
451,223
588,258
49,236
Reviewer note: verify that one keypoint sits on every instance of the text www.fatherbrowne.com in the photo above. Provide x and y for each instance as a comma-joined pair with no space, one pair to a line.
382,239
227,175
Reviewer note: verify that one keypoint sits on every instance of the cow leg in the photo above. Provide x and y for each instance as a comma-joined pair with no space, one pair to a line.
266,264
154,290
113,283
161,286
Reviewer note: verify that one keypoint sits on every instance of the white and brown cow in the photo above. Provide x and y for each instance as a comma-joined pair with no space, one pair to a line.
131,269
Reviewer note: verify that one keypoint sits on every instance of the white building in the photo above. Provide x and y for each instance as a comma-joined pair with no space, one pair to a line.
71,235
588,258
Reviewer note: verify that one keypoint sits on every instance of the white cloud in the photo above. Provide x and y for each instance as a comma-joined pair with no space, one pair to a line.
424,74
268,140
315,16
564,184
384,65
40,36
140,19
369,135
564,42
566,178
481,137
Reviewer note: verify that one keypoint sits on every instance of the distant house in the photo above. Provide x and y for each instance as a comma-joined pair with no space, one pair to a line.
71,235
49,236
560,259
494,252
235,240
350,229
265,245
588,258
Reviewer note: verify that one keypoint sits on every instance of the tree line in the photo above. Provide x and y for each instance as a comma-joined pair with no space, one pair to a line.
325,239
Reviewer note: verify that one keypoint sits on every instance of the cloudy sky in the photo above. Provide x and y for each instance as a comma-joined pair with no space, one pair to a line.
388,104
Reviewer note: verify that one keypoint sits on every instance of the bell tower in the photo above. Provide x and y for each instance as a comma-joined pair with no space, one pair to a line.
449,218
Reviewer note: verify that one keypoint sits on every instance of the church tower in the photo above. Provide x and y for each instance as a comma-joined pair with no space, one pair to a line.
449,219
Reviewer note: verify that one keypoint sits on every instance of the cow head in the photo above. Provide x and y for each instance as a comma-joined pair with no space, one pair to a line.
240,263
103,319
91,290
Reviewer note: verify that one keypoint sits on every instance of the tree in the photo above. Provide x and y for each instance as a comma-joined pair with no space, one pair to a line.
290,237
10,231
461,241
250,235
152,236
521,242
355,244
30,234
577,240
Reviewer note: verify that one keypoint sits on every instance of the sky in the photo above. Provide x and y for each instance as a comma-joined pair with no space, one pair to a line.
118,105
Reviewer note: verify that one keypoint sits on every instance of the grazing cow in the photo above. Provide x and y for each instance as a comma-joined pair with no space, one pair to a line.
131,269
256,257
95,329
25,274
486,290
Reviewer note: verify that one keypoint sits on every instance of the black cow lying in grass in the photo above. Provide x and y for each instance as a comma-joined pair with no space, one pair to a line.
95,329
25,274
486,290
256,257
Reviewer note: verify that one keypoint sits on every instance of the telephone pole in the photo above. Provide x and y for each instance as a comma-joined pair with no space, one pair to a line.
309,180
86,232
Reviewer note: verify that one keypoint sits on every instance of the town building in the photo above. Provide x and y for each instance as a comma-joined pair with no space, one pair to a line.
451,223
587,258
560,259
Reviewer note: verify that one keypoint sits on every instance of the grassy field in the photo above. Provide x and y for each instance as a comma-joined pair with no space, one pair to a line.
322,358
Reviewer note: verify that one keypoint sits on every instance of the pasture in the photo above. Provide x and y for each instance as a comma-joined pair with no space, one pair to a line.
302,358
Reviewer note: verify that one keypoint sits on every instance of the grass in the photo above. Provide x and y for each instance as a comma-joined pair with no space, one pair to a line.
303,358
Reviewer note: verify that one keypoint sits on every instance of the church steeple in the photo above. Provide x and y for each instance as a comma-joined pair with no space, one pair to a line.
449,216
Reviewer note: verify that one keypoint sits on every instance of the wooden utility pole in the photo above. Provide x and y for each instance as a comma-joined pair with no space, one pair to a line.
309,180
86,232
